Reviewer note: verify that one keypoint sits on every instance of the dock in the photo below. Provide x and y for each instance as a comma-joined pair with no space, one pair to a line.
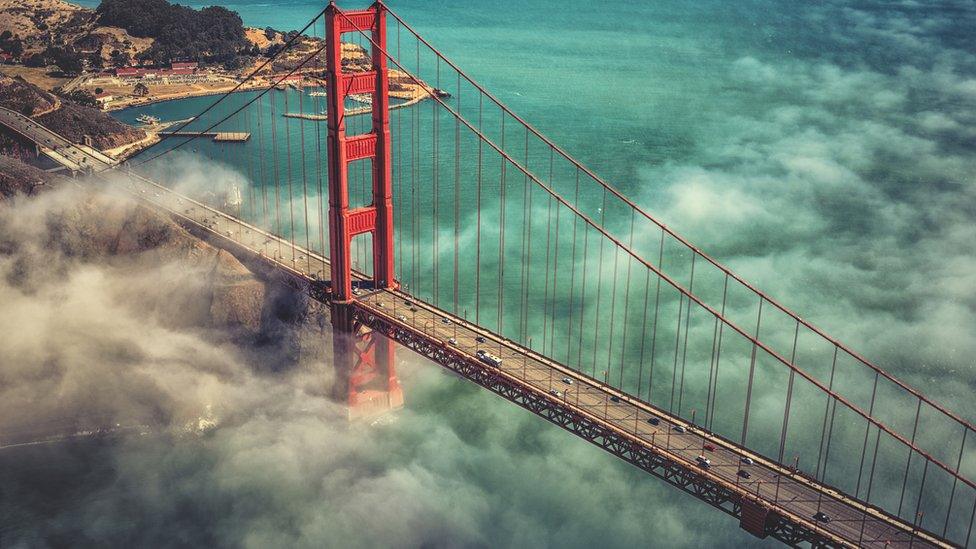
219,137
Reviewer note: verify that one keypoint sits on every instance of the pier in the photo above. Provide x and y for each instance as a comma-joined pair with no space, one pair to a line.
220,137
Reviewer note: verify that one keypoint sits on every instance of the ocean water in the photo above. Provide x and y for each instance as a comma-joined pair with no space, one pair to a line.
825,151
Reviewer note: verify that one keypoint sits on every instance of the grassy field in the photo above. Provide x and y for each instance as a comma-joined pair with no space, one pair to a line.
37,76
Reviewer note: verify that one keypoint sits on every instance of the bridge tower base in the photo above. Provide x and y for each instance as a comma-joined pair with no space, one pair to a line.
366,379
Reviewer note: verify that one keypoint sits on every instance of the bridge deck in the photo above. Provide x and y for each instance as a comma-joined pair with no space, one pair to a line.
587,407
797,498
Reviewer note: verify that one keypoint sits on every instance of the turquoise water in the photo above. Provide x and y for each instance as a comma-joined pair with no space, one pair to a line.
826,152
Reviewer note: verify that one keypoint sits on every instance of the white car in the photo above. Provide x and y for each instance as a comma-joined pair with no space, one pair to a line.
703,462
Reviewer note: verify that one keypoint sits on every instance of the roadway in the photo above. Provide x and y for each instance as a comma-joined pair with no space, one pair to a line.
786,492
70,155
792,495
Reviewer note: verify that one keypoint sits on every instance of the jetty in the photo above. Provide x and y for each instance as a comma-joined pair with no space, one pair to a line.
220,137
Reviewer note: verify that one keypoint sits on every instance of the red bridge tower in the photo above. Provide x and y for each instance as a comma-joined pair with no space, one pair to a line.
356,350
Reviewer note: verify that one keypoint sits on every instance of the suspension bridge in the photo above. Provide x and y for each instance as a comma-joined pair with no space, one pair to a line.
437,220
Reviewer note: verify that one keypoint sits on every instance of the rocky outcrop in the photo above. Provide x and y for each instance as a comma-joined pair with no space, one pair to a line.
71,120
18,95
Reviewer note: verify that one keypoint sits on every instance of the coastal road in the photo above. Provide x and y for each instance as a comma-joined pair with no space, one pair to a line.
73,157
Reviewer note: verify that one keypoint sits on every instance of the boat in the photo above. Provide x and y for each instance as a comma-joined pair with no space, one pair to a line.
148,119
317,94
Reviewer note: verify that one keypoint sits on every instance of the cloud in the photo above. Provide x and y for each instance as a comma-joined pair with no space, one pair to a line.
212,440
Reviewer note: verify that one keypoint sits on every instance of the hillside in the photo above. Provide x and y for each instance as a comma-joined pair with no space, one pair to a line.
213,34
121,32
25,98
69,119
76,121
17,177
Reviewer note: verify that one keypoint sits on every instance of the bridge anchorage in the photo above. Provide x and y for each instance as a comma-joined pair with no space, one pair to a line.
454,228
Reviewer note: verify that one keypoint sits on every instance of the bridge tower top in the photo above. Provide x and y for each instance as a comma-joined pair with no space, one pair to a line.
345,223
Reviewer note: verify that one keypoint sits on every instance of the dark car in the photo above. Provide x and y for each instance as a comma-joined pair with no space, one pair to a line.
820,516
480,339
614,398
653,420
743,473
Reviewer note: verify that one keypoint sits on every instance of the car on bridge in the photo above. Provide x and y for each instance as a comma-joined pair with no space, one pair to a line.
488,358
703,462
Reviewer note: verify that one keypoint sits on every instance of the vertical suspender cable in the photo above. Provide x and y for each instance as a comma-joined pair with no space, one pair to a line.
301,128
477,273
623,342
457,192
789,400
277,181
572,279
752,373
291,192
684,352
657,308
599,288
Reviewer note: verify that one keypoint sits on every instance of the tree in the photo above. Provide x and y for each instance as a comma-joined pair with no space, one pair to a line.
82,98
36,60
98,91
141,90
120,58
213,34
67,62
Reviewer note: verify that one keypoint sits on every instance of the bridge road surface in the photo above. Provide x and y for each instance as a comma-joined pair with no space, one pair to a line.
798,496
792,495
71,156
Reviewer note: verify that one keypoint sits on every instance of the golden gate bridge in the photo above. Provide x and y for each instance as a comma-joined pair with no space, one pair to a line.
455,229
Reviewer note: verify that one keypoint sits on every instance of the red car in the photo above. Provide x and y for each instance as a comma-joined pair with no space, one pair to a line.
709,447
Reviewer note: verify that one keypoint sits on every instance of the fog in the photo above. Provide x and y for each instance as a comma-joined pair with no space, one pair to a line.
838,178
208,439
